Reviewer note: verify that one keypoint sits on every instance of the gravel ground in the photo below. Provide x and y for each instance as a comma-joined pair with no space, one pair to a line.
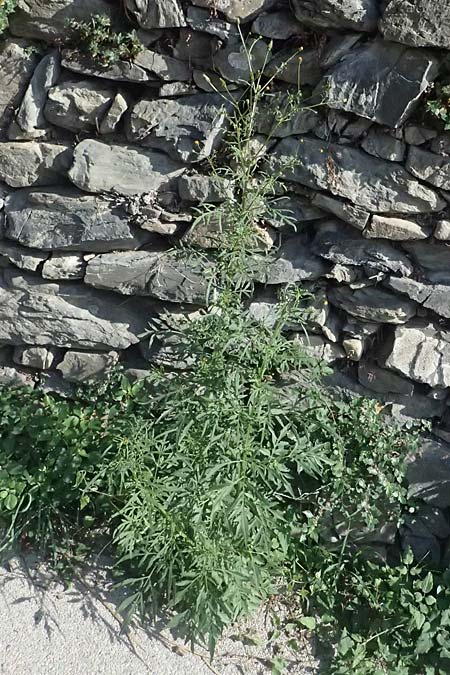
46,629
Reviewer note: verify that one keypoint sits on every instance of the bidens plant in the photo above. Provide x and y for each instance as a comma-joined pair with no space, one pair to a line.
234,461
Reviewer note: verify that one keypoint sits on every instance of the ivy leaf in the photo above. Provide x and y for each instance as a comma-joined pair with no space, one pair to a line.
427,584
308,621
418,617
424,644
10,502
345,644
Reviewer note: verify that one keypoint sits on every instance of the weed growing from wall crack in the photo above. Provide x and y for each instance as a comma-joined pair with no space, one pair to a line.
236,462
439,104
102,42
204,479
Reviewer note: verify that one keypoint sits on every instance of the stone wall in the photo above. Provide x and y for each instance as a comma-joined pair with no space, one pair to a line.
100,168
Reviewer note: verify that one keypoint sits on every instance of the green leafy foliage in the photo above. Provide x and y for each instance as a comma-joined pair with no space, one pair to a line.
206,483
233,464
6,8
227,478
439,106
364,485
382,619
48,446
218,479
102,42
203,480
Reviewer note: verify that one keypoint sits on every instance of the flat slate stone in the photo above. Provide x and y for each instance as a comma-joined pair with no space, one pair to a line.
384,146
204,21
209,233
429,167
120,71
196,48
383,381
17,64
86,366
397,229
300,122
296,67
30,116
27,164
358,15
170,89
442,230
428,473
279,25
421,351
236,10
337,45
292,212
64,266
293,262
434,260
318,347
418,407
435,298
382,81
47,19
15,377
98,167
415,135
67,219
165,276
67,315
373,184
375,255
433,520
165,67
349,213
210,82
24,258
353,347
152,14
41,358
372,303
235,62
115,113
426,550
263,307
200,188
419,23
188,128
78,105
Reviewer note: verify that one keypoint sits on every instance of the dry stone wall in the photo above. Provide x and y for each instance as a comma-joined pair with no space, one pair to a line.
101,167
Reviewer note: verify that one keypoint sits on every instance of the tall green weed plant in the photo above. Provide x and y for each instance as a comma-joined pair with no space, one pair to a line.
230,466
204,481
